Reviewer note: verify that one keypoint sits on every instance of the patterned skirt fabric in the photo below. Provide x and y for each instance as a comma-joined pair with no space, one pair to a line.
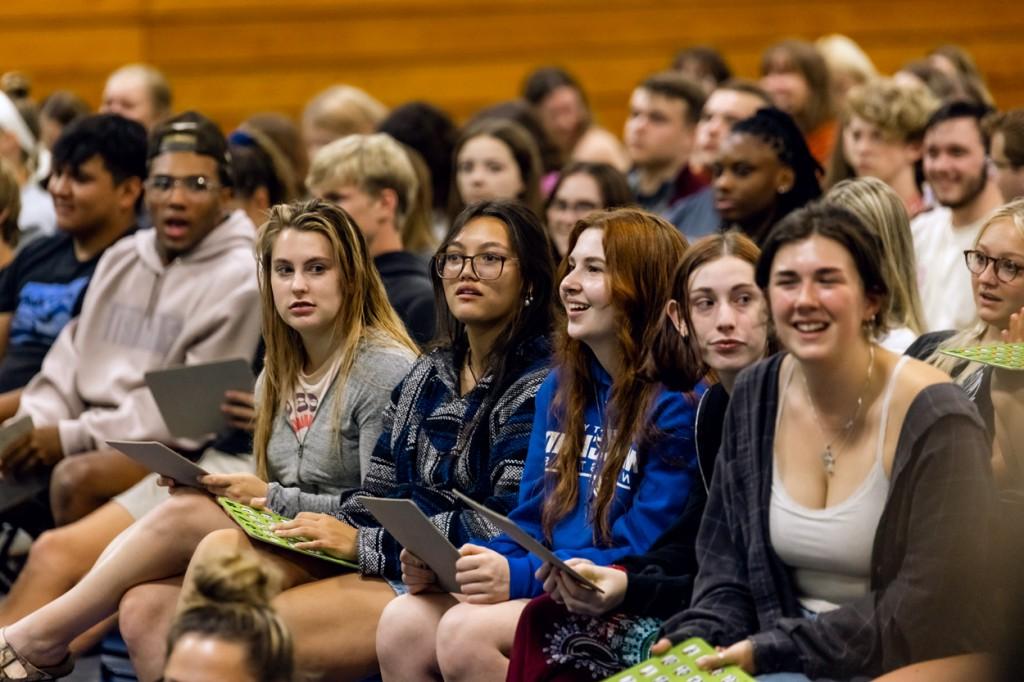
553,644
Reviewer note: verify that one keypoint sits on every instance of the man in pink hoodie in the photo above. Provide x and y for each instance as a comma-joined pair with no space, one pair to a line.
184,292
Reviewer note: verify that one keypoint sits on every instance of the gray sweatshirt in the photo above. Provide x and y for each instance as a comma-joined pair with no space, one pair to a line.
309,476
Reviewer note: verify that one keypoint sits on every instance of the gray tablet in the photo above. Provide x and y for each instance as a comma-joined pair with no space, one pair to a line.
414,531
160,459
14,430
189,397
525,540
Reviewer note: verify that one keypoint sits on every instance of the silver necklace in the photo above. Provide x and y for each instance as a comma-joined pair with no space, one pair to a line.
828,455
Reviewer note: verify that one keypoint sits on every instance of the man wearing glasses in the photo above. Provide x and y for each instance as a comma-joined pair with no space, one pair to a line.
184,292
956,169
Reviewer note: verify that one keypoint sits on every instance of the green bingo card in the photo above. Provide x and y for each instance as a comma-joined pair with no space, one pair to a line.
1003,355
679,664
256,524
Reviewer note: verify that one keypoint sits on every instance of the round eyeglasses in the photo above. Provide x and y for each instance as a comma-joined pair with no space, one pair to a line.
195,185
484,265
1006,270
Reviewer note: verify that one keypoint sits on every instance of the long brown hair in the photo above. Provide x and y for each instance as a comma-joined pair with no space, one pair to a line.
365,309
641,251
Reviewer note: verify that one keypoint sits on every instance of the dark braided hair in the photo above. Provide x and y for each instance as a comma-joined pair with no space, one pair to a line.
779,131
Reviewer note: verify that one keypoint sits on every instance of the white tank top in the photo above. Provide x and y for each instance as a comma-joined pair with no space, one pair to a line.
830,549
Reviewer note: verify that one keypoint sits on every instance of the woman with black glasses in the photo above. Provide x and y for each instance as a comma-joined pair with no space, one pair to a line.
996,264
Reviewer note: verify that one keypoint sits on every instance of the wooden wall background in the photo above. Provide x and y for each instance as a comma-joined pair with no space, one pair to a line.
230,58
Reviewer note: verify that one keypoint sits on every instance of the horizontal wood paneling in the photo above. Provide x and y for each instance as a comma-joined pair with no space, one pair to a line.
233,57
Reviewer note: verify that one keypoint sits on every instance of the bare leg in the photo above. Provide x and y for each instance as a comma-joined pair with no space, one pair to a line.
84,482
474,640
59,558
157,547
407,635
145,617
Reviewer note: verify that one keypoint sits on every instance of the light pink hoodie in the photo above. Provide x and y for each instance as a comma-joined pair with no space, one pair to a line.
139,315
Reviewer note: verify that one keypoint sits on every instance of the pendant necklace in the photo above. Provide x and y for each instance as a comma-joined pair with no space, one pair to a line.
828,455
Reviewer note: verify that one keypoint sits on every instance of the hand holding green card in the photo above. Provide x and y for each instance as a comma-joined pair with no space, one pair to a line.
1002,355
257,522
679,664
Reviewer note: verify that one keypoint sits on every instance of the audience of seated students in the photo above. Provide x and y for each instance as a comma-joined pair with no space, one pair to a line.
577,634
796,77
704,65
335,350
660,126
495,159
19,149
881,210
561,105
429,131
612,460
829,531
1006,149
227,630
763,171
728,104
263,175
184,292
995,263
372,178
338,111
882,134
138,92
98,167
956,168
582,188
848,65
10,209
59,110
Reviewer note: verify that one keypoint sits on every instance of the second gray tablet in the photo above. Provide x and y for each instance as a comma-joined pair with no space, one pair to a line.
414,531
189,397
160,459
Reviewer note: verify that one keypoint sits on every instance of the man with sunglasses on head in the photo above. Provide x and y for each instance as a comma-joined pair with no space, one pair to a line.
184,292
956,168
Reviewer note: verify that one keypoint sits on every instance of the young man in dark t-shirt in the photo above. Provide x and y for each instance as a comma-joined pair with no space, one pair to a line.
99,164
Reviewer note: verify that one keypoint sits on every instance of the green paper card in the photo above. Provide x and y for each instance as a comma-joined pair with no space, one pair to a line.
679,664
256,524
1002,355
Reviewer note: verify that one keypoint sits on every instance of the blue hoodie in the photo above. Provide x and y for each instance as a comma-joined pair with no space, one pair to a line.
653,485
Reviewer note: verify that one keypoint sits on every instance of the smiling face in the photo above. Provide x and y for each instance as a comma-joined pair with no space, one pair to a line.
817,299
954,161
995,299
578,195
183,217
728,313
486,169
484,303
305,282
585,292
748,178
86,199
872,152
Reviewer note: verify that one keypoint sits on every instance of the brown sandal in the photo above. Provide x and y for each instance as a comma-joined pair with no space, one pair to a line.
15,668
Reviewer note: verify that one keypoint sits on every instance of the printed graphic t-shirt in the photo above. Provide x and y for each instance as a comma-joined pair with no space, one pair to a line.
300,409
42,289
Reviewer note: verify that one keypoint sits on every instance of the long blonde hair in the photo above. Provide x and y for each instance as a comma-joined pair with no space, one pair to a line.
881,209
365,310
975,334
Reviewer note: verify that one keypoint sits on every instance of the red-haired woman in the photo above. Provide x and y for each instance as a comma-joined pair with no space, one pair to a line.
611,461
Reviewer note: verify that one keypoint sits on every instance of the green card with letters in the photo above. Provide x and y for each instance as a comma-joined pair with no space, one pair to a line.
679,664
256,524
1002,355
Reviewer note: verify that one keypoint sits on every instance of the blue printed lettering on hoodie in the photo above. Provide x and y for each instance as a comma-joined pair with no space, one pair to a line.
651,489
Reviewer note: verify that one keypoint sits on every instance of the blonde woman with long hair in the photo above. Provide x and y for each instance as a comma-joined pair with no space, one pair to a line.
996,264
882,211
335,350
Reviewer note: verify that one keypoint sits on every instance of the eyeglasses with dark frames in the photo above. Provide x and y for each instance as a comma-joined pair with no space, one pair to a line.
1006,270
483,265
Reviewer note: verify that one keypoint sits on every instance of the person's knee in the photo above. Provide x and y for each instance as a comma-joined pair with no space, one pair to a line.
458,636
72,481
137,615
402,628
55,553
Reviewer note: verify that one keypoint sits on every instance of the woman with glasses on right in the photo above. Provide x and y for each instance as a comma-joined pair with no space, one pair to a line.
997,280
